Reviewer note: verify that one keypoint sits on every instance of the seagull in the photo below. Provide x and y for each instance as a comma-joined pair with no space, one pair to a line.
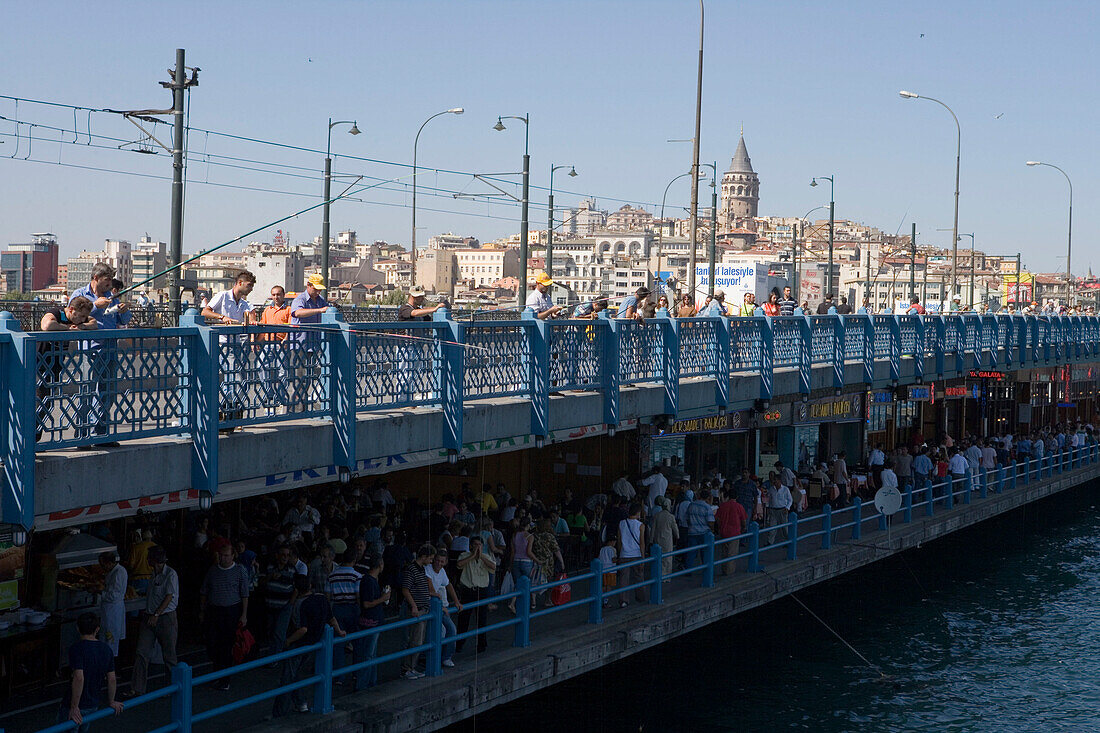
922,35
997,117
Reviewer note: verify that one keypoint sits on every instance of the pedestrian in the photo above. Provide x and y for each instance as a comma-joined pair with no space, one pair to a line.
631,306
686,307
903,467
159,624
630,550
76,316
717,306
306,310
223,606
844,309
771,307
876,461
779,506
729,522
231,307
748,307
342,589
310,614
888,478
279,597
657,484
700,521
112,601
273,353
101,357
93,666
664,532
373,597
824,306
522,564
443,590
787,303
476,567
958,467
539,301
416,592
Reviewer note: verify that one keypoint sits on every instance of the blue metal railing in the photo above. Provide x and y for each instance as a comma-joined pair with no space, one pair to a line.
63,389
706,559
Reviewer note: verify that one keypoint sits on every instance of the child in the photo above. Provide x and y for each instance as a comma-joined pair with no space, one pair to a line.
607,560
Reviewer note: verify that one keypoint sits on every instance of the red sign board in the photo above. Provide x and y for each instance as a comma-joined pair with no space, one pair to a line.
985,374
954,391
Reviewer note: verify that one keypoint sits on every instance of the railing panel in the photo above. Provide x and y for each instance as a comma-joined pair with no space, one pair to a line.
882,336
123,384
575,354
908,327
855,331
275,375
746,344
698,346
788,341
500,367
396,366
822,339
641,352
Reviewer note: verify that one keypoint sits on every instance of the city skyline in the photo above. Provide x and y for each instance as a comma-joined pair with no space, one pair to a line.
809,108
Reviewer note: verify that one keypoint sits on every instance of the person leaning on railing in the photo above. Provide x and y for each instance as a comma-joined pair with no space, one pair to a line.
76,316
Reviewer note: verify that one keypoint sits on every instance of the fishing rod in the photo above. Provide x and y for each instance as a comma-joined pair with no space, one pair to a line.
333,329
343,195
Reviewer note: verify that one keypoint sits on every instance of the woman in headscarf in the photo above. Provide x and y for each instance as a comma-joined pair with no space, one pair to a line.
546,553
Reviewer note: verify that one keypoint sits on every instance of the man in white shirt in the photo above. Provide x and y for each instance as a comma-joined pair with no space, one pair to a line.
632,541
889,478
302,516
974,456
922,469
231,307
622,487
876,461
657,484
788,478
443,590
958,467
989,457
778,500
538,300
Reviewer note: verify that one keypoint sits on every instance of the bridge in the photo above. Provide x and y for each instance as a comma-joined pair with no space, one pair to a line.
310,406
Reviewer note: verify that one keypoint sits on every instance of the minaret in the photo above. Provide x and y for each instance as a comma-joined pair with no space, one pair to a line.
740,190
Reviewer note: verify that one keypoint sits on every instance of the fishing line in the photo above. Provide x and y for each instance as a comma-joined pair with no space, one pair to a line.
379,334
833,631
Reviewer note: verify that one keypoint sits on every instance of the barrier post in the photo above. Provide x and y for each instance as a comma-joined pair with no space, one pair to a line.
595,610
322,691
826,527
523,612
435,637
754,547
181,698
792,535
882,522
949,497
857,517
930,506
656,554
708,561
983,485
907,516
968,486
1000,479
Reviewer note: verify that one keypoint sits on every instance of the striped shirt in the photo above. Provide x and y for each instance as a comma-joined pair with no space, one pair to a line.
343,585
225,586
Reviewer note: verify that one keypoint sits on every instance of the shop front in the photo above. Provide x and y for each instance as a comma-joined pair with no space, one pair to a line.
706,446
822,428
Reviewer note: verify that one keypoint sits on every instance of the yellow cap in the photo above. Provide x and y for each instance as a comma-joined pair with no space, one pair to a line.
543,279
316,281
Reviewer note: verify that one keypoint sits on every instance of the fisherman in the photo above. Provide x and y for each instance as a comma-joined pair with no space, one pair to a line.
538,300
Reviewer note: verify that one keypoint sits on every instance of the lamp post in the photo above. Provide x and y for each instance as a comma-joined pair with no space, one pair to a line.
521,295
416,142
958,149
1069,236
794,247
328,185
971,235
712,252
695,156
661,230
550,217
832,220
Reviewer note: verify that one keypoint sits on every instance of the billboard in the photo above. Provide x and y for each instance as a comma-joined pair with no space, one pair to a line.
1018,292
736,280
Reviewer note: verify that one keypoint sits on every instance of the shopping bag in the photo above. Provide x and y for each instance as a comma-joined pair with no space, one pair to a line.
561,594
243,644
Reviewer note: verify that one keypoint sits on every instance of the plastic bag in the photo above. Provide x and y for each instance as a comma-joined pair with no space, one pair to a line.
243,644
561,594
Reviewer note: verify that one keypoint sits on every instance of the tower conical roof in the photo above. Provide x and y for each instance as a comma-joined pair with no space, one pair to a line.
741,162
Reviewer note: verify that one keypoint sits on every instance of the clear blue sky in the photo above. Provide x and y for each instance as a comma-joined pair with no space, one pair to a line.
605,83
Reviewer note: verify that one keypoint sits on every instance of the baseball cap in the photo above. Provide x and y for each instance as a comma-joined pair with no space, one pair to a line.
316,281
543,279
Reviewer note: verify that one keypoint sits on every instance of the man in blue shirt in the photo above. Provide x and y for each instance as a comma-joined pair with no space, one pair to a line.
101,357
93,665
631,307
306,309
717,306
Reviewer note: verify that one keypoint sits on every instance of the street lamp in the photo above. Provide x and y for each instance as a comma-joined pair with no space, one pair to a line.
794,247
550,218
1069,237
416,142
521,294
832,220
661,230
695,154
328,184
958,149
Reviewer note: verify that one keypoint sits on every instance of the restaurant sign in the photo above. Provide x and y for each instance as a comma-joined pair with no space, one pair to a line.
838,409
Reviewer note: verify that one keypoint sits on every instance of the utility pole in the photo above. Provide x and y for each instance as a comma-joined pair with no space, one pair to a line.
695,160
712,254
1019,271
913,263
179,85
